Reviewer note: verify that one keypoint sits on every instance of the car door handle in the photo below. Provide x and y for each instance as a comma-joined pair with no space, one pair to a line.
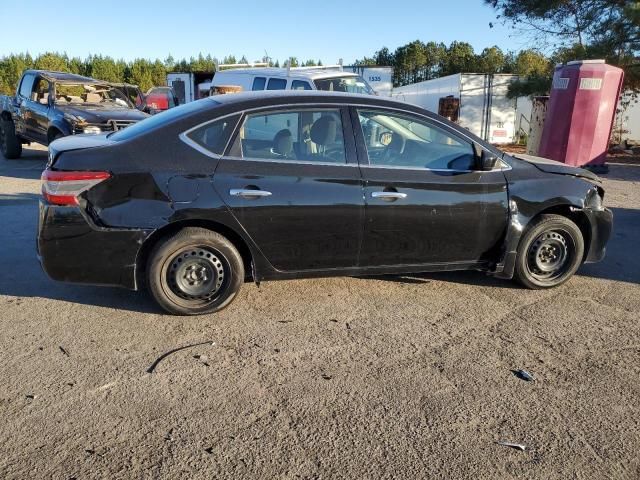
389,195
248,193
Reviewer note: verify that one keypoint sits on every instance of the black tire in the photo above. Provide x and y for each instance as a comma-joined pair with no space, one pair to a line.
10,144
194,271
550,252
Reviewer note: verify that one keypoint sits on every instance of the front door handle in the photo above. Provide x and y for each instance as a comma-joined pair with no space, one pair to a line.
389,196
248,193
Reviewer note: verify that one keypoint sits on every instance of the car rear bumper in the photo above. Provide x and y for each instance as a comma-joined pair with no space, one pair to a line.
71,248
601,223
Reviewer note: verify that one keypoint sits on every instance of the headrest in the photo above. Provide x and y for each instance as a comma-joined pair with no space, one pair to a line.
283,142
397,143
323,131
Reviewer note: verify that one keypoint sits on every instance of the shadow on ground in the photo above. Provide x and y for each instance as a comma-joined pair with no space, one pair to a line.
627,172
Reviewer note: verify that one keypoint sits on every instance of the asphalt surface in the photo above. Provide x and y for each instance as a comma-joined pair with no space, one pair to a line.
388,377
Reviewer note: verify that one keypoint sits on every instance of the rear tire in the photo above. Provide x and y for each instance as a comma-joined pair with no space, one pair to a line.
194,271
10,144
550,252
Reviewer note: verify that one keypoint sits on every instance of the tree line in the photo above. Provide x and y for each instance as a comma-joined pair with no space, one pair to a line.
142,72
418,61
567,29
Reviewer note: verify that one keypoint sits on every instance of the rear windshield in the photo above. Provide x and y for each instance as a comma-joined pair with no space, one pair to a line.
158,120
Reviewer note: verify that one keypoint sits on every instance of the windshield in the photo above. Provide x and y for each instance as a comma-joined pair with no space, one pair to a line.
88,94
348,84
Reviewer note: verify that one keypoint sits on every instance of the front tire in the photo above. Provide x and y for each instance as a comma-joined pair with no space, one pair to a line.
550,252
10,144
194,271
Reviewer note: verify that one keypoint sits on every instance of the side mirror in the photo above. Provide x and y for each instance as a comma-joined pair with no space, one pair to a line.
488,161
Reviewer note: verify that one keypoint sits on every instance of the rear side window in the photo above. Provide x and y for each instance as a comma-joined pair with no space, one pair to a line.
258,83
26,86
214,136
307,135
300,85
277,84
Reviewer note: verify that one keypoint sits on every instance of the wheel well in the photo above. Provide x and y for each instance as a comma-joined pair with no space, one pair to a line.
51,133
577,217
158,235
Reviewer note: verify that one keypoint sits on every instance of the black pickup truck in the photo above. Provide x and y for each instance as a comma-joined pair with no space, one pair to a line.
49,105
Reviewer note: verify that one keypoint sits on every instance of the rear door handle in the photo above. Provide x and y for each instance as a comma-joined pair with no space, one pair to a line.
248,193
390,196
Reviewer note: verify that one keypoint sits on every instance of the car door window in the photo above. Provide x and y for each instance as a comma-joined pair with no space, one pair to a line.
258,83
26,86
303,135
396,140
40,92
214,136
300,85
277,84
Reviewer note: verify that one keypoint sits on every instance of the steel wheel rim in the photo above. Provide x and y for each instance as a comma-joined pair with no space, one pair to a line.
196,274
549,255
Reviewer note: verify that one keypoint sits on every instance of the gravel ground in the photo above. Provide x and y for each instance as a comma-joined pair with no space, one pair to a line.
389,377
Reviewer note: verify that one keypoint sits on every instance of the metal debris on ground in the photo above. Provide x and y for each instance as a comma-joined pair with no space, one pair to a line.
517,446
153,366
63,351
523,375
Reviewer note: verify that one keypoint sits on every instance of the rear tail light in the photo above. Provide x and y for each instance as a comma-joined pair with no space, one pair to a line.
63,188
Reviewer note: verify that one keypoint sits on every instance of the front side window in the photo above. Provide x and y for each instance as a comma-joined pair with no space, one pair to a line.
214,136
277,84
26,86
300,85
258,83
404,141
304,135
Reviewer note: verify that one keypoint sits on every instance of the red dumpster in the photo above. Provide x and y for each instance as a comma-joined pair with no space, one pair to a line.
582,108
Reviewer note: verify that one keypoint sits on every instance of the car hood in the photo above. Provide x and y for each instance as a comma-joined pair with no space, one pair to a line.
552,166
100,114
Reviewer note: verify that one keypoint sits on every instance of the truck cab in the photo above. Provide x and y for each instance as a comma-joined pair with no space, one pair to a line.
48,105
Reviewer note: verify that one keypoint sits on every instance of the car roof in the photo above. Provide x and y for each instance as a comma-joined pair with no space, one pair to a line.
65,77
282,97
304,72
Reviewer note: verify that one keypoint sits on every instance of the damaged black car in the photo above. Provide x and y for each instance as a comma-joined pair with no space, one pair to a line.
260,186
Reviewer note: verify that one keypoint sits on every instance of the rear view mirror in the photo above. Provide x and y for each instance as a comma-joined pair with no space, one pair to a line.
488,161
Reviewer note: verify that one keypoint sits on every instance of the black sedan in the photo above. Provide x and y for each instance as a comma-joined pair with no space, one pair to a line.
263,186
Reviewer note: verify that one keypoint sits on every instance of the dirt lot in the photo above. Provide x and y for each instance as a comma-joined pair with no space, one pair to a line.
403,377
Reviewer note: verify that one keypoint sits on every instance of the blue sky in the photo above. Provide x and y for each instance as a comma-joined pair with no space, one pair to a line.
326,29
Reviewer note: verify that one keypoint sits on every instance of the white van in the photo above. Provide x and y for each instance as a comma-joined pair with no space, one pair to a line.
330,78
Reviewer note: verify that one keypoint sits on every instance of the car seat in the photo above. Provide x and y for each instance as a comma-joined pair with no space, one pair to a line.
323,133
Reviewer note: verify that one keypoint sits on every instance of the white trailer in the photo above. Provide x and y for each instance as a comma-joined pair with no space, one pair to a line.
380,79
188,86
477,102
